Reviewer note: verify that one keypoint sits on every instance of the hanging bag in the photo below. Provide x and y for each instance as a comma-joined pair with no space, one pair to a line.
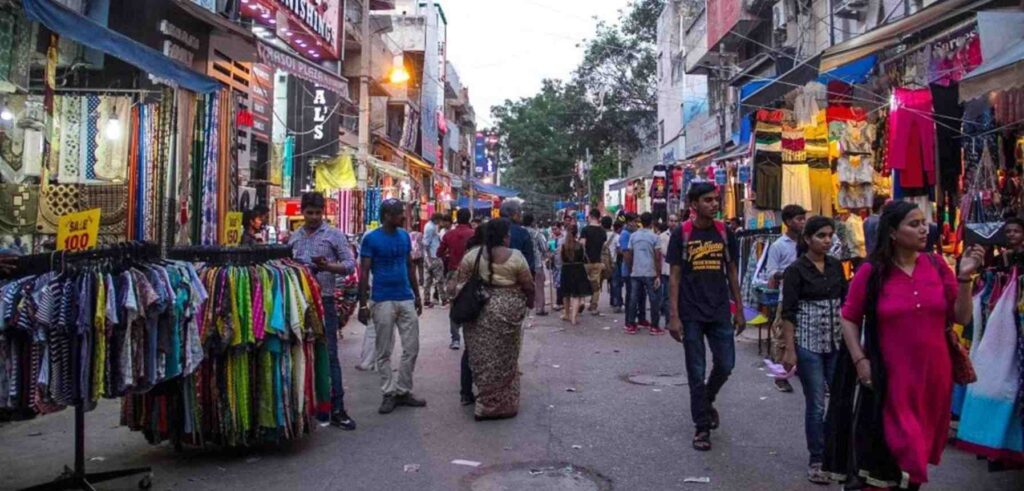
472,298
963,369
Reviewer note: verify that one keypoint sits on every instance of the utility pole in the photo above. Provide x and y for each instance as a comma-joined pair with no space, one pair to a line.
589,165
364,97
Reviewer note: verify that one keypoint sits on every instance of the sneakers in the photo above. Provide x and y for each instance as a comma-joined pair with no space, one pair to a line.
387,406
456,344
644,324
467,399
631,329
783,386
410,401
817,476
343,421
617,310
657,331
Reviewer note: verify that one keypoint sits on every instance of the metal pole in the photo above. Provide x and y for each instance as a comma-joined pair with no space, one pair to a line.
364,97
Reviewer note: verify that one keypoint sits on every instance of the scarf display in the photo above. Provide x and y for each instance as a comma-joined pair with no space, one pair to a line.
265,372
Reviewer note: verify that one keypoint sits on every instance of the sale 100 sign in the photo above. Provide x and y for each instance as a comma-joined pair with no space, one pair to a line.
78,231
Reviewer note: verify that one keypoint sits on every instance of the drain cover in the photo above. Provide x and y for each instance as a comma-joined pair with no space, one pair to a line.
662,380
537,476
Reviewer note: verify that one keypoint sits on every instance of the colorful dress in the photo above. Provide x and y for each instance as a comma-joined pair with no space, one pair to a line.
913,312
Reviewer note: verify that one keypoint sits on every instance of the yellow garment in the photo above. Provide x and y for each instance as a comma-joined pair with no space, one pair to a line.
335,174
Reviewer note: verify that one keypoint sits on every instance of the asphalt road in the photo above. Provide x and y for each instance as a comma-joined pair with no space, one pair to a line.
633,437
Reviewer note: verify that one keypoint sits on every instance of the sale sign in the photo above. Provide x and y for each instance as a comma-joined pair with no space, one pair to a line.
233,228
78,231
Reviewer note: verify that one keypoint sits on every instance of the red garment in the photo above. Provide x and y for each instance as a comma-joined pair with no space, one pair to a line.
839,93
845,113
453,246
913,312
911,144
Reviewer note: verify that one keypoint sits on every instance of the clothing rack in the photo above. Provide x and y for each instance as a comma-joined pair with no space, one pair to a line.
230,255
78,478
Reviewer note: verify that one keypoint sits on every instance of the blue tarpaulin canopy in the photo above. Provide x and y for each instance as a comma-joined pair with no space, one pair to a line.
85,31
478,204
854,72
501,192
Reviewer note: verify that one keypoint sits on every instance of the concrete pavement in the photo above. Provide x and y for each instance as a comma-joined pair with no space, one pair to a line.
635,437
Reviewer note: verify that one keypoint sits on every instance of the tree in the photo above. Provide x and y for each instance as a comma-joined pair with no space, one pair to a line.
608,107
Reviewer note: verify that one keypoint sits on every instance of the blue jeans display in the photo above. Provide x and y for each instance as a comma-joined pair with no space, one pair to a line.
640,290
723,358
616,285
331,322
815,371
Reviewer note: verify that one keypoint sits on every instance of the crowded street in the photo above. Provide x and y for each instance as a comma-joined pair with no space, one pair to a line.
489,245
625,435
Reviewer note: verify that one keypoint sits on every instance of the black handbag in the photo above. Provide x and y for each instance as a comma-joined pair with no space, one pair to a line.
472,298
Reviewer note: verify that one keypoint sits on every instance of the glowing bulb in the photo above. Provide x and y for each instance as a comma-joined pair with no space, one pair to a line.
112,131
399,75
6,115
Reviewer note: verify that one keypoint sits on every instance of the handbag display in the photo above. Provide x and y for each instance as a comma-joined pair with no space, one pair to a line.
984,233
18,208
472,298
55,200
112,200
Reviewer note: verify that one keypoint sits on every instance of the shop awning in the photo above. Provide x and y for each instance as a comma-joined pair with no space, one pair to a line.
776,88
493,190
1003,71
87,32
733,153
409,156
854,72
387,167
889,35
478,204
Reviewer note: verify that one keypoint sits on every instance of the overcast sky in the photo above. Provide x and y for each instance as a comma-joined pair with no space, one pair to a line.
502,49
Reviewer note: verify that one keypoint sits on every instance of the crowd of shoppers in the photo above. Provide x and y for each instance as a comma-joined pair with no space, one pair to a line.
880,337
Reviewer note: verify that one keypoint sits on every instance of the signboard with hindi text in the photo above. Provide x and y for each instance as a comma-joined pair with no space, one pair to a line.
78,231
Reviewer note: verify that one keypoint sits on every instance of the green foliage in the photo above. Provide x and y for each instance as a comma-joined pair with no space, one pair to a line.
609,107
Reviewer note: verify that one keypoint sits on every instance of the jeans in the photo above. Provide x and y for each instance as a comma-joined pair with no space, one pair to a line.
389,317
723,359
617,283
465,375
331,322
640,290
815,371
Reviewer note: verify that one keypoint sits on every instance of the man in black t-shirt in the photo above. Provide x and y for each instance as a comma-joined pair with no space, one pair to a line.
702,253
594,238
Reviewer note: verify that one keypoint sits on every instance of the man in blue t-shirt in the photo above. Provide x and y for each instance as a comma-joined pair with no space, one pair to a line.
632,223
386,255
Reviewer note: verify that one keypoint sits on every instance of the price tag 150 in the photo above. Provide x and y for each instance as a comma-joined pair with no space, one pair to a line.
78,231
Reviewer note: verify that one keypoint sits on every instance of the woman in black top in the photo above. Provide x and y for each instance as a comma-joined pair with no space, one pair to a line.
813,289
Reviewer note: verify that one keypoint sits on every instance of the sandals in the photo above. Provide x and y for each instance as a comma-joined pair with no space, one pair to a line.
702,441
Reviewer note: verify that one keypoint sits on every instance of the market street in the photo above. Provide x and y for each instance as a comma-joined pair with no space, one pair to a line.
636,436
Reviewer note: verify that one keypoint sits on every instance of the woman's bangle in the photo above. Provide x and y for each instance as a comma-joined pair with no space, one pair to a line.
859,360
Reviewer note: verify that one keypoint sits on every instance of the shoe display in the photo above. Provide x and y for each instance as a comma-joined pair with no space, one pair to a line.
342,420
387,406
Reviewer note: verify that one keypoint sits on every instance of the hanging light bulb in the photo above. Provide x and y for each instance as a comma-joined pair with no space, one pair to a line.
112,131
6,114
399,75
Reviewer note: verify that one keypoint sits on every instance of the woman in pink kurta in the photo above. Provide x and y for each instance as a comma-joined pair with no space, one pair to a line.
919,297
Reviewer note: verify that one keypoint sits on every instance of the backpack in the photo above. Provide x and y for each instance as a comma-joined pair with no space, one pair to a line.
686,230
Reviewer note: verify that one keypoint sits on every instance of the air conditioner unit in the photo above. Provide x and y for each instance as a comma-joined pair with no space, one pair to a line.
779,15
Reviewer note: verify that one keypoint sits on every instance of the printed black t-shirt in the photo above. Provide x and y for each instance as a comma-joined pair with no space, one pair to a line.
704,288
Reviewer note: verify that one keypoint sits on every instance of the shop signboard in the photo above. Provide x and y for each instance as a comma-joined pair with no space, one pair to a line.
702,134
314,118
78,231
432,89
262,101
320,18
722,16
232,229
480,153
309,72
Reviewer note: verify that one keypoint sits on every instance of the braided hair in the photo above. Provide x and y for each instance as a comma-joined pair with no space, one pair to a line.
495,233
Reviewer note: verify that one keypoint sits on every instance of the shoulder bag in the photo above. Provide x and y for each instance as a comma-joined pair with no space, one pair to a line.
963,369
472,298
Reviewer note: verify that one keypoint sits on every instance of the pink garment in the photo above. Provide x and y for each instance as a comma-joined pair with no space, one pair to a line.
912,316
911,145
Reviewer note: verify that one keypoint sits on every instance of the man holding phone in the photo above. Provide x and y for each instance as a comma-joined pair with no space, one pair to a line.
326,250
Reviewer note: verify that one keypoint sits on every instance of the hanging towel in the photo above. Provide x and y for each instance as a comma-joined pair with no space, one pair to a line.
335,174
